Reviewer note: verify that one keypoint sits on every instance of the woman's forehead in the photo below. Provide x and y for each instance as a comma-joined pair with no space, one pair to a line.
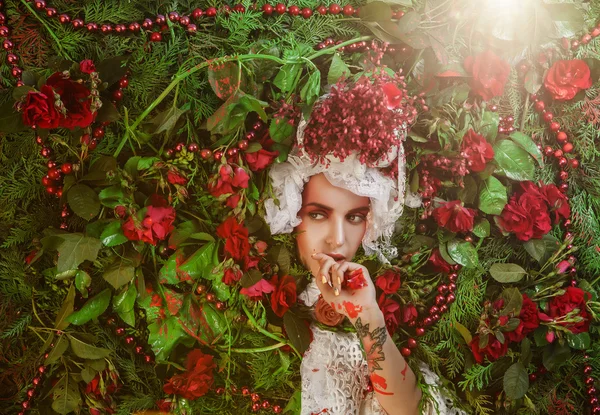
320,190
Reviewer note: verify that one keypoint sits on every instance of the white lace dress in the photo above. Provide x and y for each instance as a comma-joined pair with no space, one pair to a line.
334,375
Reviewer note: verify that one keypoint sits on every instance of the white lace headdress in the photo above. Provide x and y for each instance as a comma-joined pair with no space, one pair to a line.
387,196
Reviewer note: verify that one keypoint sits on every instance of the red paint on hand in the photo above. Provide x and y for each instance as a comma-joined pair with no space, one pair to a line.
352,309
379,383
403,373
354,280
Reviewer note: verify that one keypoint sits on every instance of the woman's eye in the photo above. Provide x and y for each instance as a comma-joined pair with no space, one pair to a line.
356,218
316,215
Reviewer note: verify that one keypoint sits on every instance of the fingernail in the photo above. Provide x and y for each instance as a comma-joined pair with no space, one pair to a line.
339,281
324,279
336,291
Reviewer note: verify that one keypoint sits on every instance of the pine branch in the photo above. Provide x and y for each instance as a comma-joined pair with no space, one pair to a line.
17,327
477,377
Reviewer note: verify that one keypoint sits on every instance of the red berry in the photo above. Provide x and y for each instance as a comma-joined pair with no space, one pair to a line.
66,168
420,331
47,181
98,132
120,331
322,10
540,106
334,8
280,8
306,13
267,9
405,351
155,37
548,116
197,13
211,12
574,163
118,94
124,83
294,10
255,397
46,152
193,147
348,10
412,343
554,126
54,173
561,136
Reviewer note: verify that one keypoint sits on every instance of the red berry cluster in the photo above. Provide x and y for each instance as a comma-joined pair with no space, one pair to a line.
591,387
129,340
506,124
210,297
35,383
583,40
333,9
257,404
8,46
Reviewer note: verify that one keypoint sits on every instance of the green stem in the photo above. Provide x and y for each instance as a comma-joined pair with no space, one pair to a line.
525,108
341,45
265,332
258,349
56,39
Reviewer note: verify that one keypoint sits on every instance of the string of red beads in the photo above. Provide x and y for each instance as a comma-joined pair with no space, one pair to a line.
129,340
8,45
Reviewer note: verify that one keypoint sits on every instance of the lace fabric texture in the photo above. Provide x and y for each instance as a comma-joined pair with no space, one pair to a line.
335,375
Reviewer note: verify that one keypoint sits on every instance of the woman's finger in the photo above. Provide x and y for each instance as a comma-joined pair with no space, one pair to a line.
340,271
326,265
337,278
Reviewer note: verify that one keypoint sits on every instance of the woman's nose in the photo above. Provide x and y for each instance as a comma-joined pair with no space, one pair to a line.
336,234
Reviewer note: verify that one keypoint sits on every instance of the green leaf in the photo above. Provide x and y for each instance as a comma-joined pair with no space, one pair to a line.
10,120
82,282
66,395
100,168
516,381
280,129
57,351
532,81
87,351
542,249
145,163
294,405
567,17
88,374
443,247
580,341
492,196
288,76
97,364
555,355
166,121
113,235
468,192
513,161
526,354
164,336
111,196
507,273
310,91
489,125
20,91
281,256
464,332
409,22
94,307
108,112
131,166
337,69
125,300
482,228
250,278
224,79
463,253
111,70
297,331
199,265
83,201
539,335
219,121
529,146
513,301
375,11
75,249
120,273
65,310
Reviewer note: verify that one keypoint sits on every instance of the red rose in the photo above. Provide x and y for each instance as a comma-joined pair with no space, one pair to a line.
354,280
256,291
197,380
232,275
573,298
220,187
250,262
232,201
489,74
87,66
391,313
176,177
76,99
557,201
389,282
526,216
438,262
454,216
156,225
493,350
566,78
39,110
476,150
240,178
236,238
284,294
529,321
260,159
393,95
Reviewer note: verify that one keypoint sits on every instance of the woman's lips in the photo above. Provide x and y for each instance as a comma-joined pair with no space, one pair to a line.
336,257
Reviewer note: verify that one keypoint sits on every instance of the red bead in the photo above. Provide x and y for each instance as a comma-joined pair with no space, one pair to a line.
117,94
46,152
232,152
585,39
548,151
428,321
66,168
255,397
120,28
192,28
561,136
574,163
12,58
554,126
452,287
148,359
7,44
548,116
434,310
440,300
265,404
184,21
54,173
589,381
306,13
129,340
267,9
197,14
221,306
567,148
193,147
257,126
47,181
443,309
147,24
243,144
217,155
106,28
42,369
420,331
91,27
587,369
205,153
540,106
220,391
174,16
64,18
294,10
595,32
591,391
334,8
210,297
453,276
139,350
156,37
36,381
120,331
277,409
124,83
322,10
25,404
111,321
134,27
4,31
593,400
160,19
179,147
563,176
98,132
450,298
211,12
245,390
77,23
574,44
412,343
405,351
562,162
40,4
255,407
348,10
280,8
532,377
30,393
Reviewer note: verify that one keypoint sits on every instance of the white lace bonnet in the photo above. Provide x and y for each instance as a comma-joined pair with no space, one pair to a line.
387,196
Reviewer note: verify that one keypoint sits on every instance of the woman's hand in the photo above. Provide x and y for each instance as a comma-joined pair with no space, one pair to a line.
345,300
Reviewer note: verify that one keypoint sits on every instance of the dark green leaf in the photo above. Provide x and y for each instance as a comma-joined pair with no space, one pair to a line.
83,201
409,22
66,396
555,355
489,125
113,234
94,307
88,374
464,332
482,228
164,336
57,351
280,129
529,146
253,147
97,364
375,11
131,167
513,301
294,406
533,81
311,89
567,17
539,335
513,161
111,70
20,91
108,112
542,249
183,231
281,256
10,120
580,341
99,169
416,40
111,196
125,300
219,122
75,249
297,331
166,121
526,354
87,351
247,104
443,247
250,278
82,282
468,192
507,273
337,69
224,79
492,196
516,381
463,253
65,310
199,265
120,273
288,76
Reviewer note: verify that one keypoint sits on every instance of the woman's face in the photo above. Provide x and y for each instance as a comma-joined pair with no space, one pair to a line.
334,221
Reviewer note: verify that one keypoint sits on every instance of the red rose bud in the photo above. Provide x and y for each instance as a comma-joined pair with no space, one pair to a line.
389,282
438,262
261,159
476,150
283,295
566,78
354,280
454,217
391,313
39,110
256,291
236,238
493,350
198,378
176,177
87,66
489,74
76,99
393,95
232,275
563,266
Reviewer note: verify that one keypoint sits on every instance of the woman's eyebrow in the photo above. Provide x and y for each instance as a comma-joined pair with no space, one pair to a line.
329,209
